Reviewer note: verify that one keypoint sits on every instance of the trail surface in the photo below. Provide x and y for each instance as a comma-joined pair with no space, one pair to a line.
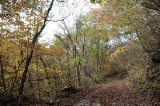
115,93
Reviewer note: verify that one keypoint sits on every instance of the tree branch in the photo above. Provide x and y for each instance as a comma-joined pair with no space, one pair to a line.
59,19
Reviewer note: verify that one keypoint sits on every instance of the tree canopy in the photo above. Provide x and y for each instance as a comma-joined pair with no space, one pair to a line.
119,39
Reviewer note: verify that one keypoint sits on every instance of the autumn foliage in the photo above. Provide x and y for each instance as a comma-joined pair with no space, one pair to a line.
118,40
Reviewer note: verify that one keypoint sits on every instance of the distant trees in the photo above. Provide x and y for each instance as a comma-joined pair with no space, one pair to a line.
118,38
28,67
133,28
86,47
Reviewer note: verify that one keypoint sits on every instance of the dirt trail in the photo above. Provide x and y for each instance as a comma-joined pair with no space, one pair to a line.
115,93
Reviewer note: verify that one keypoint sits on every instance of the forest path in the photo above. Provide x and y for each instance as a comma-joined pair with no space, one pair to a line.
115,93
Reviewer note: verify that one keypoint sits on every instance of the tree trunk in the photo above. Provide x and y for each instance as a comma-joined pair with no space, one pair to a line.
2,75
50,95
24,75
35,38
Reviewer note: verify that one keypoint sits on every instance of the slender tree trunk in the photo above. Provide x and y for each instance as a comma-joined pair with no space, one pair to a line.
39,92
16,75
31,85
24,75
83,57
69,71
61,65
78,75
50,95
2,75
28,60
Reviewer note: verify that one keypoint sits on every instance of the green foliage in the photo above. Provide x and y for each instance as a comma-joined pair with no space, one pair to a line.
149,89
97,1
133,30
139,82
119,38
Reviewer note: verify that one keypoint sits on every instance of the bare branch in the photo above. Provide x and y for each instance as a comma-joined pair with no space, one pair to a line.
59,19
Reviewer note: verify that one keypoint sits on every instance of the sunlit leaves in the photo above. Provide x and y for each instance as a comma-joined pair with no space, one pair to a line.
19,22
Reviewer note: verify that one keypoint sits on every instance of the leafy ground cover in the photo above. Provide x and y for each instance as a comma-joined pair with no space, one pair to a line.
115,93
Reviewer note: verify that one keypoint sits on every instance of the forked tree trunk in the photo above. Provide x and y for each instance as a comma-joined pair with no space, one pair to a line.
28,60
